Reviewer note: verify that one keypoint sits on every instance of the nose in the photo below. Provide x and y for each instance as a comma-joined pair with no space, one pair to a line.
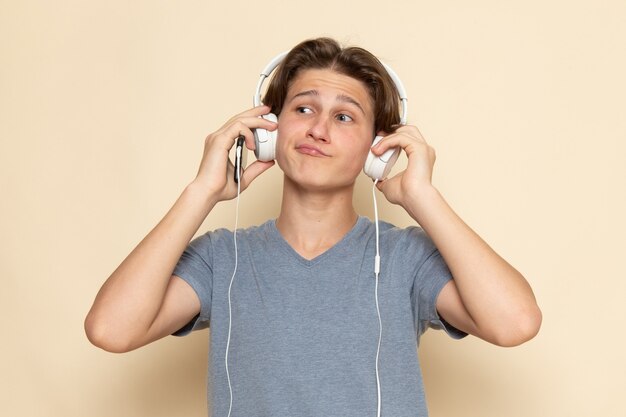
319,129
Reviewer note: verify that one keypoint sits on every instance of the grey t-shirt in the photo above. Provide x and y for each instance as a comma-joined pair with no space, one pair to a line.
305,332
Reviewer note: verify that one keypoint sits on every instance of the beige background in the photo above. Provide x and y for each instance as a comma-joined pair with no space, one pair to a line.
104,106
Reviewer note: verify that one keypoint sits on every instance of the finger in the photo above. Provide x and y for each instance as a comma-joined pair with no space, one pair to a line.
407,140
254,170
251,119
410,130
380,185
250,123
258,123
387,142
252,112
244,127
385,183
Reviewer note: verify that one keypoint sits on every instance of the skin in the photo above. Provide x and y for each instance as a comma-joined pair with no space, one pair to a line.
326,129
331,114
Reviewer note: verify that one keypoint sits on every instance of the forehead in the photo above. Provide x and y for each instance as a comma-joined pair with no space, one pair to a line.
331,84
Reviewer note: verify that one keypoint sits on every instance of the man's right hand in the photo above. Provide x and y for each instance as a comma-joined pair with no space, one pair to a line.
215,174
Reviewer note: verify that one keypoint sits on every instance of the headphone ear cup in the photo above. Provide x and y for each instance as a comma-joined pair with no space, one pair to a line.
265,141
378,167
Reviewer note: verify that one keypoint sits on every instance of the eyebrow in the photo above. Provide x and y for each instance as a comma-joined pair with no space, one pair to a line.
341,97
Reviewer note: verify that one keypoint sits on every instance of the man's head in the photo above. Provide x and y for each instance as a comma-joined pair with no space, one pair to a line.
355,62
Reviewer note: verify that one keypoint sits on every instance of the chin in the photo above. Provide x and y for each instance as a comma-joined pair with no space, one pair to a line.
314,174
320,182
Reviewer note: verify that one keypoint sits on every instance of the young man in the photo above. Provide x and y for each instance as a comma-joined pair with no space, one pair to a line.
302,339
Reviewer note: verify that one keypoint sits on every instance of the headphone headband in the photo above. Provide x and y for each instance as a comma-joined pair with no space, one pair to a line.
271,66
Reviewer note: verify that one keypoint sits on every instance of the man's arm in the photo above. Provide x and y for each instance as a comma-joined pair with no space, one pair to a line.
488,297
141,301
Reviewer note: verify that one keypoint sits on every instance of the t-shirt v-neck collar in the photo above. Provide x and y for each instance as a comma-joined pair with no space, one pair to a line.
275,235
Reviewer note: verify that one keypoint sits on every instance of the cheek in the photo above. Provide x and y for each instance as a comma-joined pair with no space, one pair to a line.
359,154
281,137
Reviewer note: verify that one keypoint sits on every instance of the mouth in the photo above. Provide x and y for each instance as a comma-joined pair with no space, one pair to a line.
310,150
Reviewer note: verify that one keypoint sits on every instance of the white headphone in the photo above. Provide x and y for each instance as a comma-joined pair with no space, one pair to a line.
376,167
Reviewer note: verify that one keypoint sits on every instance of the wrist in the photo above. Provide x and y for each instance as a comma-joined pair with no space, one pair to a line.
422,201
198,193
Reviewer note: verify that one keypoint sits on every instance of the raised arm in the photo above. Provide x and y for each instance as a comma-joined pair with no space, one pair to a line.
488,297
141,301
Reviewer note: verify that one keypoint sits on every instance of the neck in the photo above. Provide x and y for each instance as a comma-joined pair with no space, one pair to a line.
314,221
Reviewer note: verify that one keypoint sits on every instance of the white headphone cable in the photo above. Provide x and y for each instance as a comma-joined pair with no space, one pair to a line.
230,388
376,272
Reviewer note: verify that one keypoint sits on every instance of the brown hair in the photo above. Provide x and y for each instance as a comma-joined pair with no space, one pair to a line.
355,62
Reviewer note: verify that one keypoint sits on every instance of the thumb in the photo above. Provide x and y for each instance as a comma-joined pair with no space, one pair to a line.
254,170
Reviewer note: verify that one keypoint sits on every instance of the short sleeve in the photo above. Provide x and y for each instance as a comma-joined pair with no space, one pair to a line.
432,275
195,268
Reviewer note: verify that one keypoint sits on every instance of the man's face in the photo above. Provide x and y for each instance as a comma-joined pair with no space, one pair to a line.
326,128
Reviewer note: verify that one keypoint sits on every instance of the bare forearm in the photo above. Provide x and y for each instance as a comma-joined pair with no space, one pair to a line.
487,297
140,302
130,299
498,299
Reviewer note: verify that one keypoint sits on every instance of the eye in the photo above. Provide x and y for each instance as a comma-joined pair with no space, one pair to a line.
302,109
344,118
